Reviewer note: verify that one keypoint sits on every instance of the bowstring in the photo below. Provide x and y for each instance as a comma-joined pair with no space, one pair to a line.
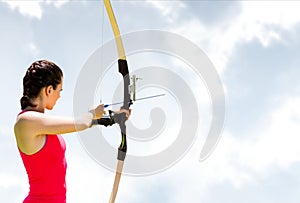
101,55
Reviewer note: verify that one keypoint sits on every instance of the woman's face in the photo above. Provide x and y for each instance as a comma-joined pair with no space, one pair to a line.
54,95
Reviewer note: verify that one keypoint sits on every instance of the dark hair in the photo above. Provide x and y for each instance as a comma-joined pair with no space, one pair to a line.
40,74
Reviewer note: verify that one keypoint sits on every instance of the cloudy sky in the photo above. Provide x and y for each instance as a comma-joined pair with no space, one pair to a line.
253,45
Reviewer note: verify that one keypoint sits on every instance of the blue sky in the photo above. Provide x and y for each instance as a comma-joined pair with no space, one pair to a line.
254,47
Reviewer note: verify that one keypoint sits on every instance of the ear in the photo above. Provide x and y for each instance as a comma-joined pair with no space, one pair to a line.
48,90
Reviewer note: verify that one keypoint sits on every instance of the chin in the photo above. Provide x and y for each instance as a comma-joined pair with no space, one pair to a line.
49,107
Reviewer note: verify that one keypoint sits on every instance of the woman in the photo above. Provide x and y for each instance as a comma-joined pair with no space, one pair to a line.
41,147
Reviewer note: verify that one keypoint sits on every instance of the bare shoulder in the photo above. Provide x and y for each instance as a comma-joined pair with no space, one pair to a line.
30,116
26,128
26,122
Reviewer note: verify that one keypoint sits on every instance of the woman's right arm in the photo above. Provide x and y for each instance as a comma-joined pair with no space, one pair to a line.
35,123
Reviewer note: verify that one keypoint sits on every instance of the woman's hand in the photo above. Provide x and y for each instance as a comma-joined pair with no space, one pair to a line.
127,112
98,111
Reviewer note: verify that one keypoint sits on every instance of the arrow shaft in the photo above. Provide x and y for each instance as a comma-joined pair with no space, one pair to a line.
143,98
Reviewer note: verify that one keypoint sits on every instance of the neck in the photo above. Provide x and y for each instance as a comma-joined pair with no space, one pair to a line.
40,107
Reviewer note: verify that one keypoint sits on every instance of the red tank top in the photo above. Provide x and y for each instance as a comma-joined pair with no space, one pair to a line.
46,170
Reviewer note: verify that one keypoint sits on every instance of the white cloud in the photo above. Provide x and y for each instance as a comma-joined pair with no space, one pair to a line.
58,4
32,8
257,20
279,144
274,146
168,9
27,8
282,13
241,161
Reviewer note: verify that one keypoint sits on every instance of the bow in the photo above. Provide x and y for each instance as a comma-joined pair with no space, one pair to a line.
120,118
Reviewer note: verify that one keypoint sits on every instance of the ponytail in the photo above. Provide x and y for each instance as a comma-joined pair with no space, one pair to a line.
25,102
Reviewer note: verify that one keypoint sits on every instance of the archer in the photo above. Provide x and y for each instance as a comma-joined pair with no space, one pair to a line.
39,142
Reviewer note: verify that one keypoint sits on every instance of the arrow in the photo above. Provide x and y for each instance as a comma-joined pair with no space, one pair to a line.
149,97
